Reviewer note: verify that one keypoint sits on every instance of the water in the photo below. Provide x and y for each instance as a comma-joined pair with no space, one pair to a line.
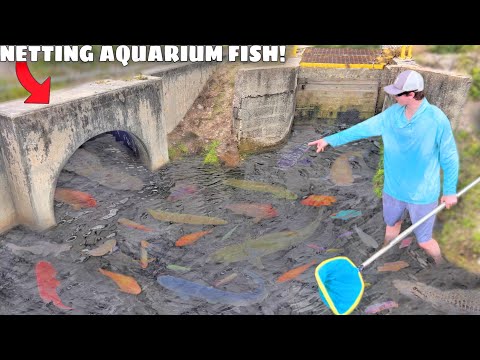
85,289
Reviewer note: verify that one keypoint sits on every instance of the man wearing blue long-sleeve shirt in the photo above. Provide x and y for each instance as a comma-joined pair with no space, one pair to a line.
418,141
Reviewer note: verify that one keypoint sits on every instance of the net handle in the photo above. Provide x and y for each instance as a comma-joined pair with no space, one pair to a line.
412,227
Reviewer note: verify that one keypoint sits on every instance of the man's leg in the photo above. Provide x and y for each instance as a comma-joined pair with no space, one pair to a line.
424,231
391,232
393,210
431,248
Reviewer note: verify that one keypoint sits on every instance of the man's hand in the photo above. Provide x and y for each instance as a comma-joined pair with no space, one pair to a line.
321,145
449,200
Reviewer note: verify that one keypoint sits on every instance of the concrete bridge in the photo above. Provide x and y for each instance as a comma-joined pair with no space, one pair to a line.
36,141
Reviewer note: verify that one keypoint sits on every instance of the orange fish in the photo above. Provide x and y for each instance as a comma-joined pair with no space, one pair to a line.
126,283
292,274
255,210
47,284
143,254
318,200
77,199
134,225
191,238
393,266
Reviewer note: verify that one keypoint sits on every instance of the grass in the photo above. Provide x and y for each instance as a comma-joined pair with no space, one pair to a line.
378,177
459,235
211,157
177,151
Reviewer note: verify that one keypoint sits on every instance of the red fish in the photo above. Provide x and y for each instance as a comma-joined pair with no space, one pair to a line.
77,199
191,238
295,272
255,210
47,284
181,191
318,200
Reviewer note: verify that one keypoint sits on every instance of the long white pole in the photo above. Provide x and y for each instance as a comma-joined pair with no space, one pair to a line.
411,228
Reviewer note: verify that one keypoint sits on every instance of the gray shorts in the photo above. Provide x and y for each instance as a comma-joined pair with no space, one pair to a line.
394,211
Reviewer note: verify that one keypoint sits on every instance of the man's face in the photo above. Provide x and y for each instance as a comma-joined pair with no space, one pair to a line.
404,98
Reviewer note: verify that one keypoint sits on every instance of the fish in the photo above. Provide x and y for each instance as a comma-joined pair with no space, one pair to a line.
256,210
341,171
134,225
275,190
181,191
318,200
47,284
346,214
185,218
105,248
42,248
393,266
185,289
295,272
126,283
456,301
254,249
316,247
177,267
74,198
375,308
290,158
367,239
191,238
143,254
228,234
225,280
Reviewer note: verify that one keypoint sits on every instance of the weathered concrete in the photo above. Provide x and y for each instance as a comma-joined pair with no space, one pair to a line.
37,140
7,209
182,83
447,90
328,92
264,105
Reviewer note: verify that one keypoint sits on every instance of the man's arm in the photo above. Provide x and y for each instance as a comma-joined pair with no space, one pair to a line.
449,161
370,127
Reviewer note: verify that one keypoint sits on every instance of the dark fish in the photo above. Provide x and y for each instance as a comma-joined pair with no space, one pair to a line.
291,157
185,288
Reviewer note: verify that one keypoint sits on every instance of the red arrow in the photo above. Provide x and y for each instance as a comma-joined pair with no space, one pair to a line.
40,93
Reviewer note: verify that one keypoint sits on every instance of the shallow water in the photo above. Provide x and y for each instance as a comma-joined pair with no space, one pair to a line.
192,270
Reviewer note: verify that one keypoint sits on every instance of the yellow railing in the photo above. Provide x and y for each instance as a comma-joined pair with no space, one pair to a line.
406,52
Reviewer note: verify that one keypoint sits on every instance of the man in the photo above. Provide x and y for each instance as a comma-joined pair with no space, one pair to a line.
418,141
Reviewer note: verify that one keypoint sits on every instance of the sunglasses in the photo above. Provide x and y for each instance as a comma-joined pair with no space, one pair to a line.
405,93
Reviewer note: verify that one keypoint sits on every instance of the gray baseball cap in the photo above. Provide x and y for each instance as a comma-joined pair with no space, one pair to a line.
408,80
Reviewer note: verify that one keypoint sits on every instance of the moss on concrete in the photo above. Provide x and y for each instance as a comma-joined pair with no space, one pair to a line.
211,157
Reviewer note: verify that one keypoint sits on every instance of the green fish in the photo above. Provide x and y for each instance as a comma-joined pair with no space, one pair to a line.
277,191
177,268
254,249
185,218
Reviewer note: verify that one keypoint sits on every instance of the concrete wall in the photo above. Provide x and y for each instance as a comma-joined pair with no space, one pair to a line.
182,83
447,90
37,140
7,209
333,93
264,105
